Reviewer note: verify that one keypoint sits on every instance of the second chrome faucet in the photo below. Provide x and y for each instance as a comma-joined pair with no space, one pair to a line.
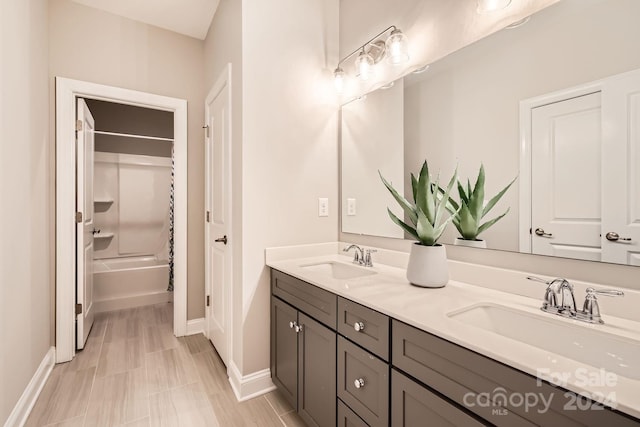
361,256
559,299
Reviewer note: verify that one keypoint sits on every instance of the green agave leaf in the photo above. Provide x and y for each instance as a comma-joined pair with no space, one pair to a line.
476,199
463,195
404,203
425,200
403,225
468,224
490,223
425,230
496,198
446,197
414,186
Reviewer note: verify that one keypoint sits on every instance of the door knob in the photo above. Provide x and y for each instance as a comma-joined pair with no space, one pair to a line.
222,239
540,232
612,236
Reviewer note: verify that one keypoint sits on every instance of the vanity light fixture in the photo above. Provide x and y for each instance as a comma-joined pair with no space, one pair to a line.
487,6
394,48
518,23
421,69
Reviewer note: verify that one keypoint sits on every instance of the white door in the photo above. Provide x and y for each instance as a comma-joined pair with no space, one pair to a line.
566,201
621,169
218,205
84,231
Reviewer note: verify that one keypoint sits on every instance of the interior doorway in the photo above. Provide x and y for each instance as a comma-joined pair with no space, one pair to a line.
70,212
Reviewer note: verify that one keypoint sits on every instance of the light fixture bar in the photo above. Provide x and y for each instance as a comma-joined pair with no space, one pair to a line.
372,39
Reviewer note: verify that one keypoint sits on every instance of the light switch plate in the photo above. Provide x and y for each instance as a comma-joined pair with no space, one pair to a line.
351,207
323,206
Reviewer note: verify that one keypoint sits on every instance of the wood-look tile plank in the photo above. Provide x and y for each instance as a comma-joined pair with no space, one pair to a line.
118,399
64,396
183,406
278,403
251,413
169,369
122,328
144,422
157,338
73,422
120,356
211,372
291,419
88,357
196,343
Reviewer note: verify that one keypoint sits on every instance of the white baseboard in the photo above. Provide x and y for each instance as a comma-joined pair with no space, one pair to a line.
195,326
249,386
23,408
132,301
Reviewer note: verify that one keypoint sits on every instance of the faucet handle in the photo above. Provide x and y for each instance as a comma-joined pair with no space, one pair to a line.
591,309
367,257
550,302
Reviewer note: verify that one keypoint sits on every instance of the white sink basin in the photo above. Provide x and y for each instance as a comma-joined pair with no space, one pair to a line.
584,344
338,270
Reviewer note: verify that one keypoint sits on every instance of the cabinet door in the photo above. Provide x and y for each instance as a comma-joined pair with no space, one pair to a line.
316,373
414,405
284,350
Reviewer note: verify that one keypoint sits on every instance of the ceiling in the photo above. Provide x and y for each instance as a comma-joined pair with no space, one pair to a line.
188,17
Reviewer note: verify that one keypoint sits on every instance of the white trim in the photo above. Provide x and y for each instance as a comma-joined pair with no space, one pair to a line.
249,386
195,326
66,92
526,107
224,80
25,404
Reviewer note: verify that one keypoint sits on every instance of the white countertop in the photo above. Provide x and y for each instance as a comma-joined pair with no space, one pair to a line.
389,292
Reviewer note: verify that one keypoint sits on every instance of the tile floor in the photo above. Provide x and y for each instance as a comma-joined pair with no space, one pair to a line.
134,372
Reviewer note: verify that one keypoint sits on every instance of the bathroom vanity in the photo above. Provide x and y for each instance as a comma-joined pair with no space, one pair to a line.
365,348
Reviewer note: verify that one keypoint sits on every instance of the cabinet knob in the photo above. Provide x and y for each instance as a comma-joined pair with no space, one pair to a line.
292,325
298,328
358,326
359,383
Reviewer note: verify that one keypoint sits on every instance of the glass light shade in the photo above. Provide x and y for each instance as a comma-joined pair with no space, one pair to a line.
397,48
364,65
338,79
486,6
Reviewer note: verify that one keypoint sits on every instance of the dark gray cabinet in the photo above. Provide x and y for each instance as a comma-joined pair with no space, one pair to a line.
348,418
303,350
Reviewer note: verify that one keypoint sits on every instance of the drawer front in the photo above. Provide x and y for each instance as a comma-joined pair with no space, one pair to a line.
369,398
413,405
463,375
348,418
364,326
317,303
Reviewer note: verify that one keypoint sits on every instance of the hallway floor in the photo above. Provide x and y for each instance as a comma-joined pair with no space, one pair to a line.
134,372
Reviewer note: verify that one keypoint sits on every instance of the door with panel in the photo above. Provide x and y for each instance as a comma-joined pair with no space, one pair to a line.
621,169
218,262
566,200
85,127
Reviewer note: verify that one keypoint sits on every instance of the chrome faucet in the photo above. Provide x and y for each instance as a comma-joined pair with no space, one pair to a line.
560,288
360,256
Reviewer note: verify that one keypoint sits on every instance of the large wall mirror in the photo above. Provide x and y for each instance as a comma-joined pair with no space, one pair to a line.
554,102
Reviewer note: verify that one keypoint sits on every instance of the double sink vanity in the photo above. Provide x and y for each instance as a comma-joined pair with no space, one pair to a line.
360,346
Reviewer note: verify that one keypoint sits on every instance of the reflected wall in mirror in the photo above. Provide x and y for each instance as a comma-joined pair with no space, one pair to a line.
545,102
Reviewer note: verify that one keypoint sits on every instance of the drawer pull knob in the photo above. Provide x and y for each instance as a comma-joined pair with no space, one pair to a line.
359,383
358,326
293,325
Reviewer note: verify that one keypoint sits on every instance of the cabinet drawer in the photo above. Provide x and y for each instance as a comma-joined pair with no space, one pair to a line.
370,397
461,375
317,303
364,326
348,418
413,405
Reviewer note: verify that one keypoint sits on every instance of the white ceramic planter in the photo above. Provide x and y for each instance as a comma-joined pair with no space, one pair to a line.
427,266
470,243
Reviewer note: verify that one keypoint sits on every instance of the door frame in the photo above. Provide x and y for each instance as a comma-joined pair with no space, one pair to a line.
525,179
67,90
224,80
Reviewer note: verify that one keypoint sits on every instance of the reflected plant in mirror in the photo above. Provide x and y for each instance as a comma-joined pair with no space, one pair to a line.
471,209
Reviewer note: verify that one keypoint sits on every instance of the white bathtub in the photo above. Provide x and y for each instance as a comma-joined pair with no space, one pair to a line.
120,283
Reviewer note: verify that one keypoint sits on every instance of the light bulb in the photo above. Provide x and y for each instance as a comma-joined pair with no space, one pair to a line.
364,65
397,47
338,79
486,6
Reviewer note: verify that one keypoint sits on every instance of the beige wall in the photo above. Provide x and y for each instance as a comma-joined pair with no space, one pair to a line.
445,29
223,46
25,198
92,45
289,144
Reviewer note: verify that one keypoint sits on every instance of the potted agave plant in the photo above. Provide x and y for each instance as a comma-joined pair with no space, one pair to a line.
469,212
428,217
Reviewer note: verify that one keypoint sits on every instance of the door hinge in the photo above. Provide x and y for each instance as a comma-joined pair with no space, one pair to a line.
208,216
78,217
78,309
206,130
208,300
78,125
